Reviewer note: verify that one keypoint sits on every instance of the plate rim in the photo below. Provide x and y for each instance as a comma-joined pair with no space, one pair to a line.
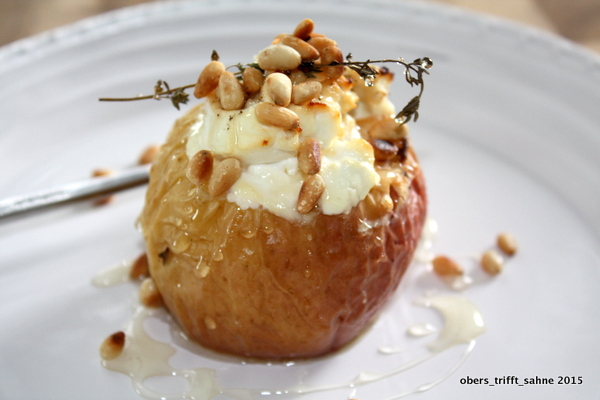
127,17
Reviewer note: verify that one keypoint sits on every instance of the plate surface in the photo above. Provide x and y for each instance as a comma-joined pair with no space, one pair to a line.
508,137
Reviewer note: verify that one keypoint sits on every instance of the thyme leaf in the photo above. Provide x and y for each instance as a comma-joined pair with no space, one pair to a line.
161,91
179,96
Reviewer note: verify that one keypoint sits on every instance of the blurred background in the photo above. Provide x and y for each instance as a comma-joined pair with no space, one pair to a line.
577,20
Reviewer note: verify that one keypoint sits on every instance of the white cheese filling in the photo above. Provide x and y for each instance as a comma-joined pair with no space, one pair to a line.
271,178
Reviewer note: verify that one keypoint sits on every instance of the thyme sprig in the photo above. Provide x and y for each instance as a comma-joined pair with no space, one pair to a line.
413,74
161,91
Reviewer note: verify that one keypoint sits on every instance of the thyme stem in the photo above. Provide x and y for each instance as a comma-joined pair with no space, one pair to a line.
157,95
413,73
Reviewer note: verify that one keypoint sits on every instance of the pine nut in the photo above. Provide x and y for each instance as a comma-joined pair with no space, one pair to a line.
274,115
309,156
252,80
208,79
445,266
224,175
139,268
320,42
297,76
277,38
279,88
102,172
387,129
383,150
149,154
304,92
149,294
507,243
231,94
331,55
304,29
310,193
306,51
278,57
492,262
200,167
112,346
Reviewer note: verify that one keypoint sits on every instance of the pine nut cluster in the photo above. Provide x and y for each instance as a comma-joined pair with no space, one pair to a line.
271,85
491,261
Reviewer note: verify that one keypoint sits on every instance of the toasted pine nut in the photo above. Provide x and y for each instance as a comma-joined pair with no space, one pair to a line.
306,91
149,294
139,268
297,76
445,266
320,42
208,79
149,154
304,29
112,346
274,115
252,80
307,51
331,55
231,94
104,200
102,172
310,193
387,129
277,38
224,175
383,149
309,156
279,88
507,243
492,262
278,57
200,167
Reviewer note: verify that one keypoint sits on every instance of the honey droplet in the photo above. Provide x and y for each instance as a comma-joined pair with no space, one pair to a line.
181,244
218,255
248,233
202,268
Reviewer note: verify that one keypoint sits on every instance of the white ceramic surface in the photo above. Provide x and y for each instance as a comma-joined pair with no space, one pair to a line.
508,137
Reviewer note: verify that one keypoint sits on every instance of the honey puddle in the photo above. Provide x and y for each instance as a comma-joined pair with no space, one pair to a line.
114,275
145,359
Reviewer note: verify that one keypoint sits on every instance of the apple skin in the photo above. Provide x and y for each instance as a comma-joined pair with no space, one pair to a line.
251,284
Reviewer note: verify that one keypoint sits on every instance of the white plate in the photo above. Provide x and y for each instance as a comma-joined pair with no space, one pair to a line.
508,136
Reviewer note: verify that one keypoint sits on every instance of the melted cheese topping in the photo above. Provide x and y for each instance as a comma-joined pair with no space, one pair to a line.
271,177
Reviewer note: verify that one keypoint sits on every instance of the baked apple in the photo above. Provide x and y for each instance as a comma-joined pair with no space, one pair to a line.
283,211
